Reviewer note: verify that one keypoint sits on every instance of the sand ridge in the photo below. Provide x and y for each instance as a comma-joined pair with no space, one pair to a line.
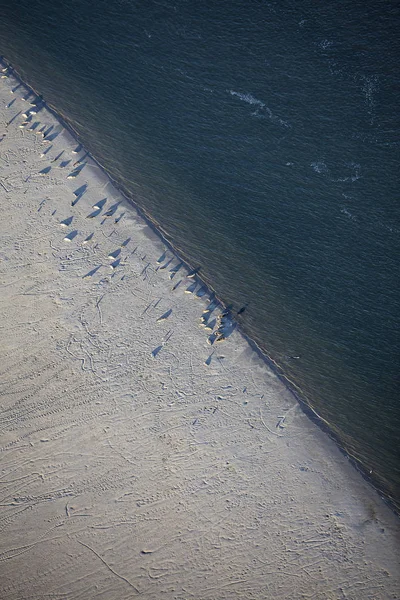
140,456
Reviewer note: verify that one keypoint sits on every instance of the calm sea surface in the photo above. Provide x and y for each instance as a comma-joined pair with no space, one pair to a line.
264,138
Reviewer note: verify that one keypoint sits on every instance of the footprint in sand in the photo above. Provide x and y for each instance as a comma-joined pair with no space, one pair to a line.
71,236
43,202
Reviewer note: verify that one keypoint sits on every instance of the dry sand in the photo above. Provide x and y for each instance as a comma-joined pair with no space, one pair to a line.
136,459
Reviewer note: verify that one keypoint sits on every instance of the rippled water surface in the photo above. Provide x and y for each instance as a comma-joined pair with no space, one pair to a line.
264,138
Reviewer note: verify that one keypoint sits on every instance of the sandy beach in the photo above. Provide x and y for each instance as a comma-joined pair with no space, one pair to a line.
146,449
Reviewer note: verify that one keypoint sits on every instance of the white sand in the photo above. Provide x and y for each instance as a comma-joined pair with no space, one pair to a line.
124,473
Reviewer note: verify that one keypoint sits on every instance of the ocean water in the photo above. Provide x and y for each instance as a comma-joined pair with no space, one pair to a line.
263,138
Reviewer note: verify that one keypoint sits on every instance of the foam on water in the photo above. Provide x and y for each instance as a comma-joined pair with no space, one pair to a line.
262,111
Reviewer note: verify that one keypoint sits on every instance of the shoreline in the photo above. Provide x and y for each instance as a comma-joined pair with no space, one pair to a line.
197,429
277,369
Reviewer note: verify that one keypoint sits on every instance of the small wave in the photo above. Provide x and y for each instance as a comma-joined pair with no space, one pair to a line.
184,74
380,138
247,98
335,69
325,44
356,168
369,89
349,215
388,226
262,111
321,168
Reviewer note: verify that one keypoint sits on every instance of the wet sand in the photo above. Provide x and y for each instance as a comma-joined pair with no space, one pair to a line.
138,459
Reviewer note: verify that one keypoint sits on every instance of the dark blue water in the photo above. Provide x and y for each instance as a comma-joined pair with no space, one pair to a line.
264,138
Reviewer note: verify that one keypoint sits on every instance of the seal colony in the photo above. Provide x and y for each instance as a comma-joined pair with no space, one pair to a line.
135,459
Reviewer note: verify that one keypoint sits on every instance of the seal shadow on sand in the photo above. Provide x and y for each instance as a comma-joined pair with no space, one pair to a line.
92,272
165,315
71,236
156,351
